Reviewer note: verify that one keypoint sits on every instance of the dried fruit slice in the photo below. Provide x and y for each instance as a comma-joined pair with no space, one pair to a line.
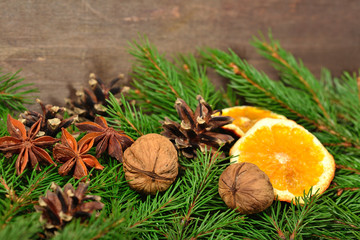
292,157
245,117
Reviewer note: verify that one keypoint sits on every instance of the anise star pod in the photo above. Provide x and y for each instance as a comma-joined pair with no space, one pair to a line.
107,138
73,155
26,144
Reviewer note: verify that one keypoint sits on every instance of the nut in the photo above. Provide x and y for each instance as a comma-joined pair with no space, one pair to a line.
151,164
244,187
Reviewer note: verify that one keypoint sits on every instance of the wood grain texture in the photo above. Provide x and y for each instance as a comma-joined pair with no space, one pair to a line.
58,43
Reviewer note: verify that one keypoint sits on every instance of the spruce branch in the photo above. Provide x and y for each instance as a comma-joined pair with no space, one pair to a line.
358,86
195,77
345,220
356,171
3,117
155,79
19,193
255,86
285,97
293,72
23,227
203,213
109,228
101,227
133,121
152,215
300,214
159,82
13,93
297,75
345,97
277,219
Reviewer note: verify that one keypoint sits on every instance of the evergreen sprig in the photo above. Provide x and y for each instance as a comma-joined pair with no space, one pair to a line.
203,215
159,82
298,95
25,227
3,119
133,121
13,93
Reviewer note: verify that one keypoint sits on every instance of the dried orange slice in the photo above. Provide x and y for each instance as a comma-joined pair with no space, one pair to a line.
245,117
292,157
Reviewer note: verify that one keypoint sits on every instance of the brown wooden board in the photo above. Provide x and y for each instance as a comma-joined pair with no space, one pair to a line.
58,43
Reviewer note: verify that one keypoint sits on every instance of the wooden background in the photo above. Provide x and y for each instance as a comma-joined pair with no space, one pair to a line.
58,43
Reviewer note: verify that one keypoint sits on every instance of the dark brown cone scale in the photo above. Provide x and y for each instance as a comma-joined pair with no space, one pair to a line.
151,164
244,187
91,102
60,206
197,130
52,119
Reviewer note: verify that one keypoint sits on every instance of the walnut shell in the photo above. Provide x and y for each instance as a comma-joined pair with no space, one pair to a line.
244,187
151,164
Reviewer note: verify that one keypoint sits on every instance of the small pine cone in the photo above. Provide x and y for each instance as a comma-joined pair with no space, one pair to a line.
196,130
61,206
52,119
89,103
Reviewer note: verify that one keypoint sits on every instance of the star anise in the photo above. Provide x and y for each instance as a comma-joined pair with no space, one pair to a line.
71,154
107,138
61,206
197,129
29,148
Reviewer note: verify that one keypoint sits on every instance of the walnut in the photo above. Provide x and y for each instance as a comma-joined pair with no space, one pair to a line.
244,187
151,164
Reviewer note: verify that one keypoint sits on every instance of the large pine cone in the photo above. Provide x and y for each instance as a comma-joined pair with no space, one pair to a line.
61,206
196,130
52,119
89,103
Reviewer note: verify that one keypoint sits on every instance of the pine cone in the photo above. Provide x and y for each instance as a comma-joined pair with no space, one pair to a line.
89,103
60,207
196,130
52,119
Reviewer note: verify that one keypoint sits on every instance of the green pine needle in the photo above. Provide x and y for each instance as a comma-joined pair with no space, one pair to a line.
14,93
159,82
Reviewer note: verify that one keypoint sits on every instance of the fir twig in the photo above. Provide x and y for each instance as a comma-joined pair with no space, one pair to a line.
294,97
159,82
152,59
13,93
356,171
201,215
108,229
124,115
26,226
287,64
358,86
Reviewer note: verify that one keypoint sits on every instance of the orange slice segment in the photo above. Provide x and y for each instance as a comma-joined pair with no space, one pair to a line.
245,117
292,157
